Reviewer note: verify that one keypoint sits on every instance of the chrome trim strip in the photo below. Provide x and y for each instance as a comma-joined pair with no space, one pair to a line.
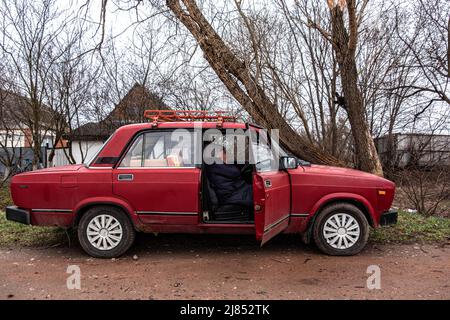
51,210
160,213
274,224
96,168
300,215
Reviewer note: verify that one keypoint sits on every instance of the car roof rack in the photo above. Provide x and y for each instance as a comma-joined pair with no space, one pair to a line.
188,115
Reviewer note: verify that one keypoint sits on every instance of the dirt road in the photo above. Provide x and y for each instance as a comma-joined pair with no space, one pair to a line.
226,267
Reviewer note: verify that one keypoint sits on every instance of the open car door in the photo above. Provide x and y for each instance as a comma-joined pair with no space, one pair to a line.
271,194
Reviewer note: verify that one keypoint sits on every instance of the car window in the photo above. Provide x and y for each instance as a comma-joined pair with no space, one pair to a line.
133,158
154,147
266,152
161,149
92,159
264,158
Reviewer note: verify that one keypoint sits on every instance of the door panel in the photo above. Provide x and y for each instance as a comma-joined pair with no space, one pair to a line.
160,195
157,177
272,195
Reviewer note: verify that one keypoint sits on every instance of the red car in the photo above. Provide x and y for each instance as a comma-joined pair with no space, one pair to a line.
137,183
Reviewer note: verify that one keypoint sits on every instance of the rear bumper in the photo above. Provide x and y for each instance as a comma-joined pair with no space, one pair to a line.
13,213
389,218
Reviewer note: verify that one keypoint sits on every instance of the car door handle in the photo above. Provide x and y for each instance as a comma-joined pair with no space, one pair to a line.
125,177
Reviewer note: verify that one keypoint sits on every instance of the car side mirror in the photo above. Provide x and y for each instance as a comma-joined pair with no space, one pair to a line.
288,163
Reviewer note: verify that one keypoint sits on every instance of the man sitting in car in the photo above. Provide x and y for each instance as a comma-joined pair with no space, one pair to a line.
228,182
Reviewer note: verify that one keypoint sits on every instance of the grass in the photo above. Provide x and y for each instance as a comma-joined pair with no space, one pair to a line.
5,197
14,234
413,227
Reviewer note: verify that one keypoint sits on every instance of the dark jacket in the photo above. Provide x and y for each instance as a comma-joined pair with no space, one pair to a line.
229,185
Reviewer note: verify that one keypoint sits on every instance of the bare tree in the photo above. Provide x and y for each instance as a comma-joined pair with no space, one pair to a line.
28,34
73,83
330,77
344,39
424,179
10,128
429,43
242,82
312,78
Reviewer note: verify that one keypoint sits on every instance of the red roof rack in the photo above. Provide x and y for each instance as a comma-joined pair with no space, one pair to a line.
187,115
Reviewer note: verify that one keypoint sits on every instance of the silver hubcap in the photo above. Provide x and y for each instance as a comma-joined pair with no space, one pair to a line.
104,232
341,231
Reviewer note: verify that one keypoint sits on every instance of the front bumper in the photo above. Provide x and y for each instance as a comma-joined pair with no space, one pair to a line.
389,218
13,213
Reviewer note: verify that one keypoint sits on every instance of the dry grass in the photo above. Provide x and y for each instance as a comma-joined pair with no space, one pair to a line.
413,227
14,234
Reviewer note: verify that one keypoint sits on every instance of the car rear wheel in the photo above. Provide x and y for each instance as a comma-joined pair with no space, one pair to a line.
105,232
341,229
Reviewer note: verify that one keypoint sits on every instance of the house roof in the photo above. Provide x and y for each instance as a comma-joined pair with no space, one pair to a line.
15,112
129,110
92,131
412,134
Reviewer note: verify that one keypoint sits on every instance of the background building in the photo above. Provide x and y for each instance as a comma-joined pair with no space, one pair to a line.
414,150
86,140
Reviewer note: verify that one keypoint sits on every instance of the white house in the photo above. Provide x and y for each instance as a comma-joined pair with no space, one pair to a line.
16,139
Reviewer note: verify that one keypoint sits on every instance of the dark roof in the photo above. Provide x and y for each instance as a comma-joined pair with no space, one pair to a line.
92,131
15,109
413,134
129,110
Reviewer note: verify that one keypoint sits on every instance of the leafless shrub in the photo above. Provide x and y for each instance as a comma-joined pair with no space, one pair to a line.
423,172
428,191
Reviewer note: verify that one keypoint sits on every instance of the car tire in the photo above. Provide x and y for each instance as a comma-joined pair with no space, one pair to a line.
105,232
341,229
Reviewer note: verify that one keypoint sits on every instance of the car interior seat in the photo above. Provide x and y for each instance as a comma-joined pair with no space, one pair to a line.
225,212
174,160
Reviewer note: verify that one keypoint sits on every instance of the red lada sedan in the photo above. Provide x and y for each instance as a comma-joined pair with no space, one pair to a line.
140,181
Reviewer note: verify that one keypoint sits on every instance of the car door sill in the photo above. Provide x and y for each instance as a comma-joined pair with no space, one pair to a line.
228,222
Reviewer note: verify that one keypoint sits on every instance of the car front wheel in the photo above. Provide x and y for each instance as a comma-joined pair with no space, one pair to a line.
341,229
105,232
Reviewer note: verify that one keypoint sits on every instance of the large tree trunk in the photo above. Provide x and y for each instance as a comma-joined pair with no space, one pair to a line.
344,44
242,84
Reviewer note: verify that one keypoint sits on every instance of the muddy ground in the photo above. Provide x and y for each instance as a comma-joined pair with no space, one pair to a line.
226,267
